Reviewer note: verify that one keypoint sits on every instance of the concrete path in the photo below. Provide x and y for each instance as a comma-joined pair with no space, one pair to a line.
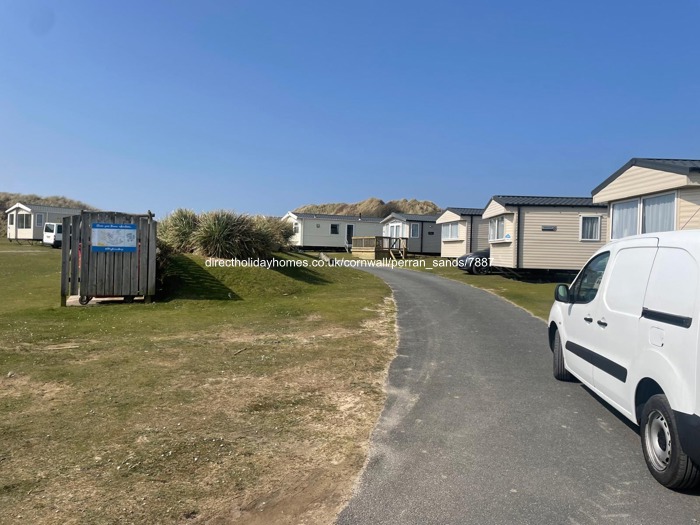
476,429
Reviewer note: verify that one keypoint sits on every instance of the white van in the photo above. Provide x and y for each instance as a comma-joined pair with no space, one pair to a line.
628,328
53,234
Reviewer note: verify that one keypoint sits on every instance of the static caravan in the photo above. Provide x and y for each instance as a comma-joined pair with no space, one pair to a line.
463,231
421,232
25,222
544,233
652,195
321,231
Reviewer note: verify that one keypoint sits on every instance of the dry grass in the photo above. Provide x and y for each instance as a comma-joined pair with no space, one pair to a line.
256,410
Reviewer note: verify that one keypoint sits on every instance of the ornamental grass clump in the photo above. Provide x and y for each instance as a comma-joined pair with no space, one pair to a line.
227,235
276,232
177,230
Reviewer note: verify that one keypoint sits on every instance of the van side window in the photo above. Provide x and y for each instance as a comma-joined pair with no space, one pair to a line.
59,228
585,288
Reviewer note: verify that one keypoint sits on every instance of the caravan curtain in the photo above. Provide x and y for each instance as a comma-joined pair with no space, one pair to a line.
590,228
658,214
450,231
624,219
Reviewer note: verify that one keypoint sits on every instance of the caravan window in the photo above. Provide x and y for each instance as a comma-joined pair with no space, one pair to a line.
12,219
590,228
450,231
624,218
24,221
39,220
497,228
659,213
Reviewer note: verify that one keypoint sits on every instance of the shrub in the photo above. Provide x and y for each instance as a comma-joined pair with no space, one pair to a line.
227,235
177,230
277,231
164,256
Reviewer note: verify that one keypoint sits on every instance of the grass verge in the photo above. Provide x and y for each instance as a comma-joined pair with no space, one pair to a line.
536,298
248,395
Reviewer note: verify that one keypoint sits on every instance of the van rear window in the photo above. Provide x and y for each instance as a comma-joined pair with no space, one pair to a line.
48,228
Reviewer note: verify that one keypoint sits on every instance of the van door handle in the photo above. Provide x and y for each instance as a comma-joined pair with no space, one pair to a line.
602,323
588,319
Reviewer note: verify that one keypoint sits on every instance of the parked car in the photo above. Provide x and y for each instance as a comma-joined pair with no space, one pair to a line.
628,329
53,234
476,262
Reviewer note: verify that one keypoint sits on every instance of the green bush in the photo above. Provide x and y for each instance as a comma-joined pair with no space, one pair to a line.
227,235
177,230
276,232
224,234
164,256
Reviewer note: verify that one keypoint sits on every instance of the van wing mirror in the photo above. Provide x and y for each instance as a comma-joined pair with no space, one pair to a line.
562,294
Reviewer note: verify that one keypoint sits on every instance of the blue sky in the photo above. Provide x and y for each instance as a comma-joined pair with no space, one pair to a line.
263,106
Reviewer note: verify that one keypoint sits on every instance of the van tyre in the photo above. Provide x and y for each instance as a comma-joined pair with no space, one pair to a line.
560,372
665,458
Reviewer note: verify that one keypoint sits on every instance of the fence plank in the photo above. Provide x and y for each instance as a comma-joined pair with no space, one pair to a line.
100,263
143,235
84,254
152,247
74,258
135,261
65,261
118,283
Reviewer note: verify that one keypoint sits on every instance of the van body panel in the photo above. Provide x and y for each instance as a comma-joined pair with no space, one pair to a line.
672,294
668,374
615,332
572,338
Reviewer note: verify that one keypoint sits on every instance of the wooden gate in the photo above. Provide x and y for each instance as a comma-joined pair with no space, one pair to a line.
107,254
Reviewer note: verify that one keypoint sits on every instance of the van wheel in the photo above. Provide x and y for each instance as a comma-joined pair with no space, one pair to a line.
84,299
560,372
662,447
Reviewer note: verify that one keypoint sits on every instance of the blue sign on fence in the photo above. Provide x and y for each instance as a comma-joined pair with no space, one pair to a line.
113,237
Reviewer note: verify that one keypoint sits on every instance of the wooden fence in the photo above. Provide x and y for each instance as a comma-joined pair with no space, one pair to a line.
378,247
107,254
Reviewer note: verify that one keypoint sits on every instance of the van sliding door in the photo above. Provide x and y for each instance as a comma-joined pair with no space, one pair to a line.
616,335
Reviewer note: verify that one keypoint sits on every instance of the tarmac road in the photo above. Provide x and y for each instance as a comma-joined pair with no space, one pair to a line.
476,430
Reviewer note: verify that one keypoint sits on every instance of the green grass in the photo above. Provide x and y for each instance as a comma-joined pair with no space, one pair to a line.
235,385
536,298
